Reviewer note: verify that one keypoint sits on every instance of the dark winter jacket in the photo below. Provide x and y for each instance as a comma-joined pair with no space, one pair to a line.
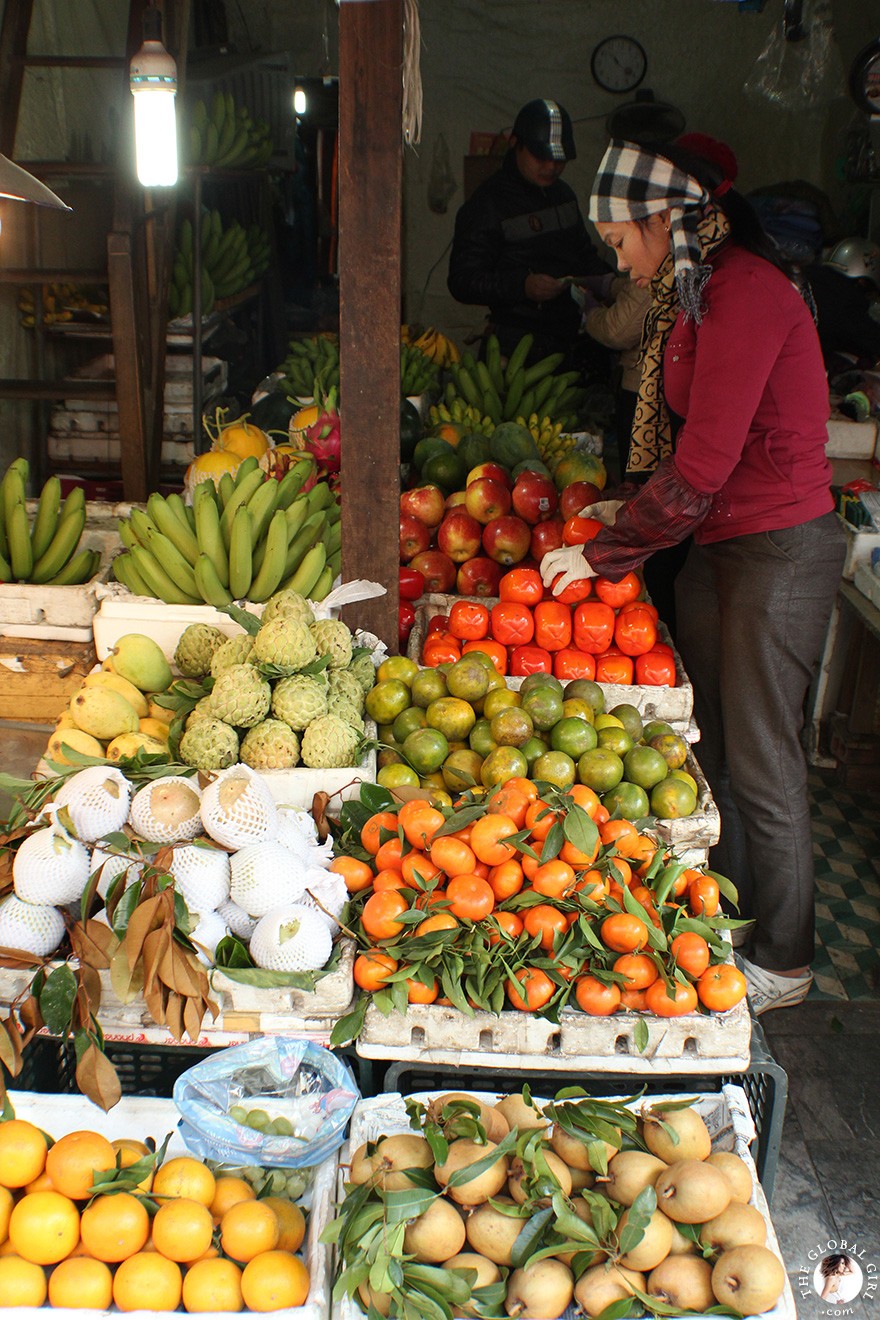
509,229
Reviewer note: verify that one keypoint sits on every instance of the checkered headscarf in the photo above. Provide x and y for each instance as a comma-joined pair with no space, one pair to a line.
632,184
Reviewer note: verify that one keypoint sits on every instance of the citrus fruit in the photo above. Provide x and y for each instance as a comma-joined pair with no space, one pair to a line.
397,666
511,727
431,444
480,737
182,1229
6,1204
427,686
248,1229
532,681
453,716
686,778
644,766
534,748
22,1153
555,768
577,706
604,721
81,1282
627,800
147,1282
502,764
128,1152
291,1222
588,691
407,722
544,704
629,718
600,769
228,1192
672,747
387,699
44,1227
461,770
573,735
445,470
22,1283
114,1227
655,728
499,699
185,1176
468,678
614,739
397,776
273,1281
74,1159
212,1285
426,750
672,799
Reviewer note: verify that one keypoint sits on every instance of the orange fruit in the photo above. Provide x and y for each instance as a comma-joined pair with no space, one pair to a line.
506,880
380,914
691,952
129,1152
273,1281
438,921
182,1229
22,1153
228,1192
640,970
74,1159
554,879
389,856
212,1285
703,896
21,1282
291,1222
488,838
624,933
419,993
547,922
721,987
248,1229
357,875
114,1227
420,822
612,830
417,869
658,1000
510,924
470,897
452,855
43,1183
184,1176
529,989
44,1227
540,819
6,1204
371,971
383,822
147,1282
81,1281
595,997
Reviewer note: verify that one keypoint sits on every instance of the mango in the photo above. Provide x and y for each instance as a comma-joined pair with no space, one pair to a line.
133,695
103,712
142,661
155,729
128,744
77,740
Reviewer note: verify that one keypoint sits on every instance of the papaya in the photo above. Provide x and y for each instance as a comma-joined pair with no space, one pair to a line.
511,443
473,450
531,465
580,467
427,448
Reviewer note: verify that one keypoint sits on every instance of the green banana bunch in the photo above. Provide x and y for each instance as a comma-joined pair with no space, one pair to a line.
226,136
506,393
310,360
231,258
418,373
45,551
246,539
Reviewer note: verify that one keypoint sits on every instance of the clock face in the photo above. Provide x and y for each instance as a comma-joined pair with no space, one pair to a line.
618,64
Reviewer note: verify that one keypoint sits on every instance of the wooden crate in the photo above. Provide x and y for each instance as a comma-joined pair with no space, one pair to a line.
40,676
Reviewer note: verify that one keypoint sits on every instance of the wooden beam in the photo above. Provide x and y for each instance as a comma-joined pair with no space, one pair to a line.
370,185
13,53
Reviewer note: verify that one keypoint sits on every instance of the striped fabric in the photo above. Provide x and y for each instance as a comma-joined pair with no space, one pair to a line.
557,150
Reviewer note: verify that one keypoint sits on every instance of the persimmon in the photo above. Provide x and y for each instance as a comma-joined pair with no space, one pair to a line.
704,896
530,989
640,970
509,923
420,822
470,897
691,953
623,932
506,880
356,874
659,1001
547,922
721,987
554,879
595,997
452,855
380,914
372,830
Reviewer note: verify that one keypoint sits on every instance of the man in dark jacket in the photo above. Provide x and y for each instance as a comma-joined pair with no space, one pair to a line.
520,232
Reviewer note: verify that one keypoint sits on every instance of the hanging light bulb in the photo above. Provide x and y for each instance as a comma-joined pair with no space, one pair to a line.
153,76
299,101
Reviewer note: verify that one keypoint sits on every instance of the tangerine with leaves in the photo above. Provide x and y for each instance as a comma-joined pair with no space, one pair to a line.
274,1281
129,1152
419,993
114,1227
385,880
81,1282
22,1153
420,822
721,987
372,969
540,819
691,952
248,1229
184,1176
75,1158
147,1281
633,1001
704,896
182,1229
530,989
506,880
22,1283
489,838
612,830
418,870
452,855
437,921
380,914
639,970
509,925
620,870
212,1285
389,855
44,1227
593,885
510,802
660,1002
595,997
356,874
624,933
380,824
554,879
546,922
575,856
470,897
586,798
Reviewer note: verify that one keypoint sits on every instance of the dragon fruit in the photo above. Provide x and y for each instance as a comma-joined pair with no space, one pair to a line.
323,438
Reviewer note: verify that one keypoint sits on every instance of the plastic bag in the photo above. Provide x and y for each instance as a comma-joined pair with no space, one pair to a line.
286,1077
795,74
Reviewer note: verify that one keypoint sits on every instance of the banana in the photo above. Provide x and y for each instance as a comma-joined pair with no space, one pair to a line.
306,576
270,571
212,590
184,513
5,569
261,506
157,581
225,489
295,515
515,388
240,496
125,572
334,563
210,539
21,556
172,561
245,468
126,535
320,497
493,364
323,584
545,367
240,553
62,545
518,357
290,484
79,568
13,488
177,533
142,525
333,539
466,385
46,519
309,534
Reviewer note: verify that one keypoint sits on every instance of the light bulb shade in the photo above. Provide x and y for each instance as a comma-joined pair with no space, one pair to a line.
21,186
153,76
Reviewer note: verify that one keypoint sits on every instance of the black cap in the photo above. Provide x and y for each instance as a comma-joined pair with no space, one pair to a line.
544,128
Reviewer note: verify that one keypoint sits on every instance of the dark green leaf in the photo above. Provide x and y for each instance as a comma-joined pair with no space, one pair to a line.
580,831
471,1171
638,1217
348,1028
530,1235
553,842
641,1035
56,1000
243,618
460,819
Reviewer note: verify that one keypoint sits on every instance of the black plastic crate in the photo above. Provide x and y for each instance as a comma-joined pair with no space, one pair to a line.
764,1082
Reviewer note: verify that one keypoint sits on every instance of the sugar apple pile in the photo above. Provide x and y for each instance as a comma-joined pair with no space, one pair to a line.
241,863
291,695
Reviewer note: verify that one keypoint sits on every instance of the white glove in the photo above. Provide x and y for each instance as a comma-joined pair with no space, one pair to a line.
604,511
568,561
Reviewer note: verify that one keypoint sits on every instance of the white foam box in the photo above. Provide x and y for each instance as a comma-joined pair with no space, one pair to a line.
726,1114
138,1116
859,544
119,612
850,439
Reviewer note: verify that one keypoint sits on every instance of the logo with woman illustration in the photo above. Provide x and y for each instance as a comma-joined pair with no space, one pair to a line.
839,1274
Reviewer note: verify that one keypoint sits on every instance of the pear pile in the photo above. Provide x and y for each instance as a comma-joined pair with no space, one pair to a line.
113,715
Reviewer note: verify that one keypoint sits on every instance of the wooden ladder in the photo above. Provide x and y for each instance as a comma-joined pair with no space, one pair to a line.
139,246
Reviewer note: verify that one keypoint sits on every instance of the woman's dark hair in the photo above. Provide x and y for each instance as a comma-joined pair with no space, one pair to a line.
745,227
831,1264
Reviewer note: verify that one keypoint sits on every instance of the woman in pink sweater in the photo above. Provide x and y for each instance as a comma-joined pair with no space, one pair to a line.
730,424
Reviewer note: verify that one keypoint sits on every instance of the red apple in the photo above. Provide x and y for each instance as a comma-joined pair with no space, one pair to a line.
486,499
414,537
492,471
479,577
577,496
458,536
506,540
438,569
546,536
457,497
534,497
425,503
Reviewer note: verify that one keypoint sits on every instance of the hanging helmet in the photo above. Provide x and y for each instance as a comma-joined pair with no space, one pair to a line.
858,258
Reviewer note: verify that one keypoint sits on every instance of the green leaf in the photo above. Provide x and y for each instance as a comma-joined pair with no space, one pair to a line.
553,842
638,1217
641,1035
727,887
460,819
450,1283
580,831
530,1236
471,1171
56,1000
408,1203
244,618
349,1027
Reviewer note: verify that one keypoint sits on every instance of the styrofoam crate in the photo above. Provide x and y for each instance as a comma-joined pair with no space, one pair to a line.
859,544
138,1116
675,705
850,439
119,612
27,609
726,1114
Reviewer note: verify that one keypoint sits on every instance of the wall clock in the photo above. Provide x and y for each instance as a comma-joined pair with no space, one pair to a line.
864,79
618,64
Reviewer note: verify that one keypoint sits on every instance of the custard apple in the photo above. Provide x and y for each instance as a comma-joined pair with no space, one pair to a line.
285,644
240,696
329,743
338,704
288,605
298,700
270,745
234,651
344,683
209,744
364,671
200,711
333,638
195,649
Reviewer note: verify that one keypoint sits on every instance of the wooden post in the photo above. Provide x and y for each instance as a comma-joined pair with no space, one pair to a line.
370,185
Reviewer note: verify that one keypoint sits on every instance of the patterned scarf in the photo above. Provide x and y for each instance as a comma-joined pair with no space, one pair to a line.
633,184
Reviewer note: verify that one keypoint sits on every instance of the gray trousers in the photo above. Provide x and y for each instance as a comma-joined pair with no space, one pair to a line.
752,615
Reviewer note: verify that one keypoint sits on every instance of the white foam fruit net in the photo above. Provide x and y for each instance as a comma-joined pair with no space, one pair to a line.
238,809
167,810
206,935
291,938
237,919
300,840
262,876
330,891
97,800
37,928
201,875
110,866
50,867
